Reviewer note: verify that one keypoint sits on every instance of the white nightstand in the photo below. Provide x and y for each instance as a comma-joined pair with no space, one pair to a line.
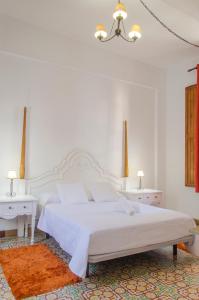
25,205
147,196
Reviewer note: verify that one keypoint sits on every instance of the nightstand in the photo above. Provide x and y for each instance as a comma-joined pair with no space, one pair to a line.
194,249
146,196
195,230
24,205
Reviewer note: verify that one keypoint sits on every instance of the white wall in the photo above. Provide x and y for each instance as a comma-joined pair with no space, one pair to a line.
77,97
177,195
72,108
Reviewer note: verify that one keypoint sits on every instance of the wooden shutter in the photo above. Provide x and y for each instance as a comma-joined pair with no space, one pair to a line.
190,102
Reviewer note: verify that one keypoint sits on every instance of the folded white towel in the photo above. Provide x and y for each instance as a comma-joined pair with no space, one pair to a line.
128,206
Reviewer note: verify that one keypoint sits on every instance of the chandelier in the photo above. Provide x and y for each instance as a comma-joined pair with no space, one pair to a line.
119,15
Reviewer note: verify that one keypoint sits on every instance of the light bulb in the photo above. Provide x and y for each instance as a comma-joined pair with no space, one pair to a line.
120,12
100,32
135,32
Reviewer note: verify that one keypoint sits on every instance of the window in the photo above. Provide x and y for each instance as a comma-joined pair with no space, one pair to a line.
190,102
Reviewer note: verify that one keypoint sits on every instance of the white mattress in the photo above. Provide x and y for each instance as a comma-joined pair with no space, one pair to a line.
96,228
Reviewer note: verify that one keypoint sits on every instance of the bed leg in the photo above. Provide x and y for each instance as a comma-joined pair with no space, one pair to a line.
175,252
87,270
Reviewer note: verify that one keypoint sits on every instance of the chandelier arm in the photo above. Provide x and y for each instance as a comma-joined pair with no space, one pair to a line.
123,28
118,24
112,27
127,40
109,39
166,27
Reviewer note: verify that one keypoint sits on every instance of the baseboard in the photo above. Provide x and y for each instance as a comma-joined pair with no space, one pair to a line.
9,233
13,233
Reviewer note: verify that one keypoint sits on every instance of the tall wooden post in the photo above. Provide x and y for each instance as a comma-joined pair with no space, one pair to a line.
126,163
23,147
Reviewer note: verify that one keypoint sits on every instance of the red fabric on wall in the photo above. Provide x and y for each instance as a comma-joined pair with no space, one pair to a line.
197,136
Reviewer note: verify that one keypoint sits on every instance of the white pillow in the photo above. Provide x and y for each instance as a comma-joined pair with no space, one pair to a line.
48,198
72,193
103,191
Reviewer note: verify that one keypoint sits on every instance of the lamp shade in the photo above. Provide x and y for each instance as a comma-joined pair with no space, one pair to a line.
135,32
12,174
100,32
140,173
120,12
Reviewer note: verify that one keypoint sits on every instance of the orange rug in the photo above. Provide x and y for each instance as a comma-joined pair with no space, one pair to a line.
183,247
34,270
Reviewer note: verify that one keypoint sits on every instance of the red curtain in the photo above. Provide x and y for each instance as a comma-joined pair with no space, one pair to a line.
197,136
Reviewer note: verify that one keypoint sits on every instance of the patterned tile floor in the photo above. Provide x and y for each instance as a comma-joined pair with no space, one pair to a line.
151,275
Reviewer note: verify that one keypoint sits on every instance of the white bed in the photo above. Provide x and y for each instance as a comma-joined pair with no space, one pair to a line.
96,232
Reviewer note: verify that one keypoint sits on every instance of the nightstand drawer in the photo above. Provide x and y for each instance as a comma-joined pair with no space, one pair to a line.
139,197
9,209
25,208
150,197
157,197
135,197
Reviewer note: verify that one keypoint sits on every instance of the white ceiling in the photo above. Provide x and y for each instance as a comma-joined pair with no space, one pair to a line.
77,19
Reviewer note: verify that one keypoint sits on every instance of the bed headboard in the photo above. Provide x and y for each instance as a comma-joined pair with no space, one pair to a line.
78,166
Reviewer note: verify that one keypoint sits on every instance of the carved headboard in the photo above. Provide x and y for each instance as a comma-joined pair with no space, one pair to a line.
78,166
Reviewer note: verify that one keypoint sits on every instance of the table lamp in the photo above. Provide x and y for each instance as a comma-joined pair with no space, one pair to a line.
11,175
140,174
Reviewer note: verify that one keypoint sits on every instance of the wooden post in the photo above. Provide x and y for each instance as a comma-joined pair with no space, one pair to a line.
126,167
23,147
175,252
2,234
87,270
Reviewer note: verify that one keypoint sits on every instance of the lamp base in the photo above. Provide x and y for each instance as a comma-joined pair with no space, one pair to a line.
125,184
11,194
140,183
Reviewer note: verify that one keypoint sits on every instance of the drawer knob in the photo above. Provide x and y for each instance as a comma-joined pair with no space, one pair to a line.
10,207
24,207
148,197
156,196
140,198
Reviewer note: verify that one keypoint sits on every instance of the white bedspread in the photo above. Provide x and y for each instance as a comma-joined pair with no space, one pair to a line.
98,228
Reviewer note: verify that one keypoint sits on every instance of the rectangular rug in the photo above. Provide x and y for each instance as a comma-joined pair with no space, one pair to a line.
34,270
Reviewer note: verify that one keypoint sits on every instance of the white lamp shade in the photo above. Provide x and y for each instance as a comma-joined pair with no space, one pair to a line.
120,12
100,32
140,173
135,32
12,174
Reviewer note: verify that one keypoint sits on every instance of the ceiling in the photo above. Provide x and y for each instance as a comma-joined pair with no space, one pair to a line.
77,19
